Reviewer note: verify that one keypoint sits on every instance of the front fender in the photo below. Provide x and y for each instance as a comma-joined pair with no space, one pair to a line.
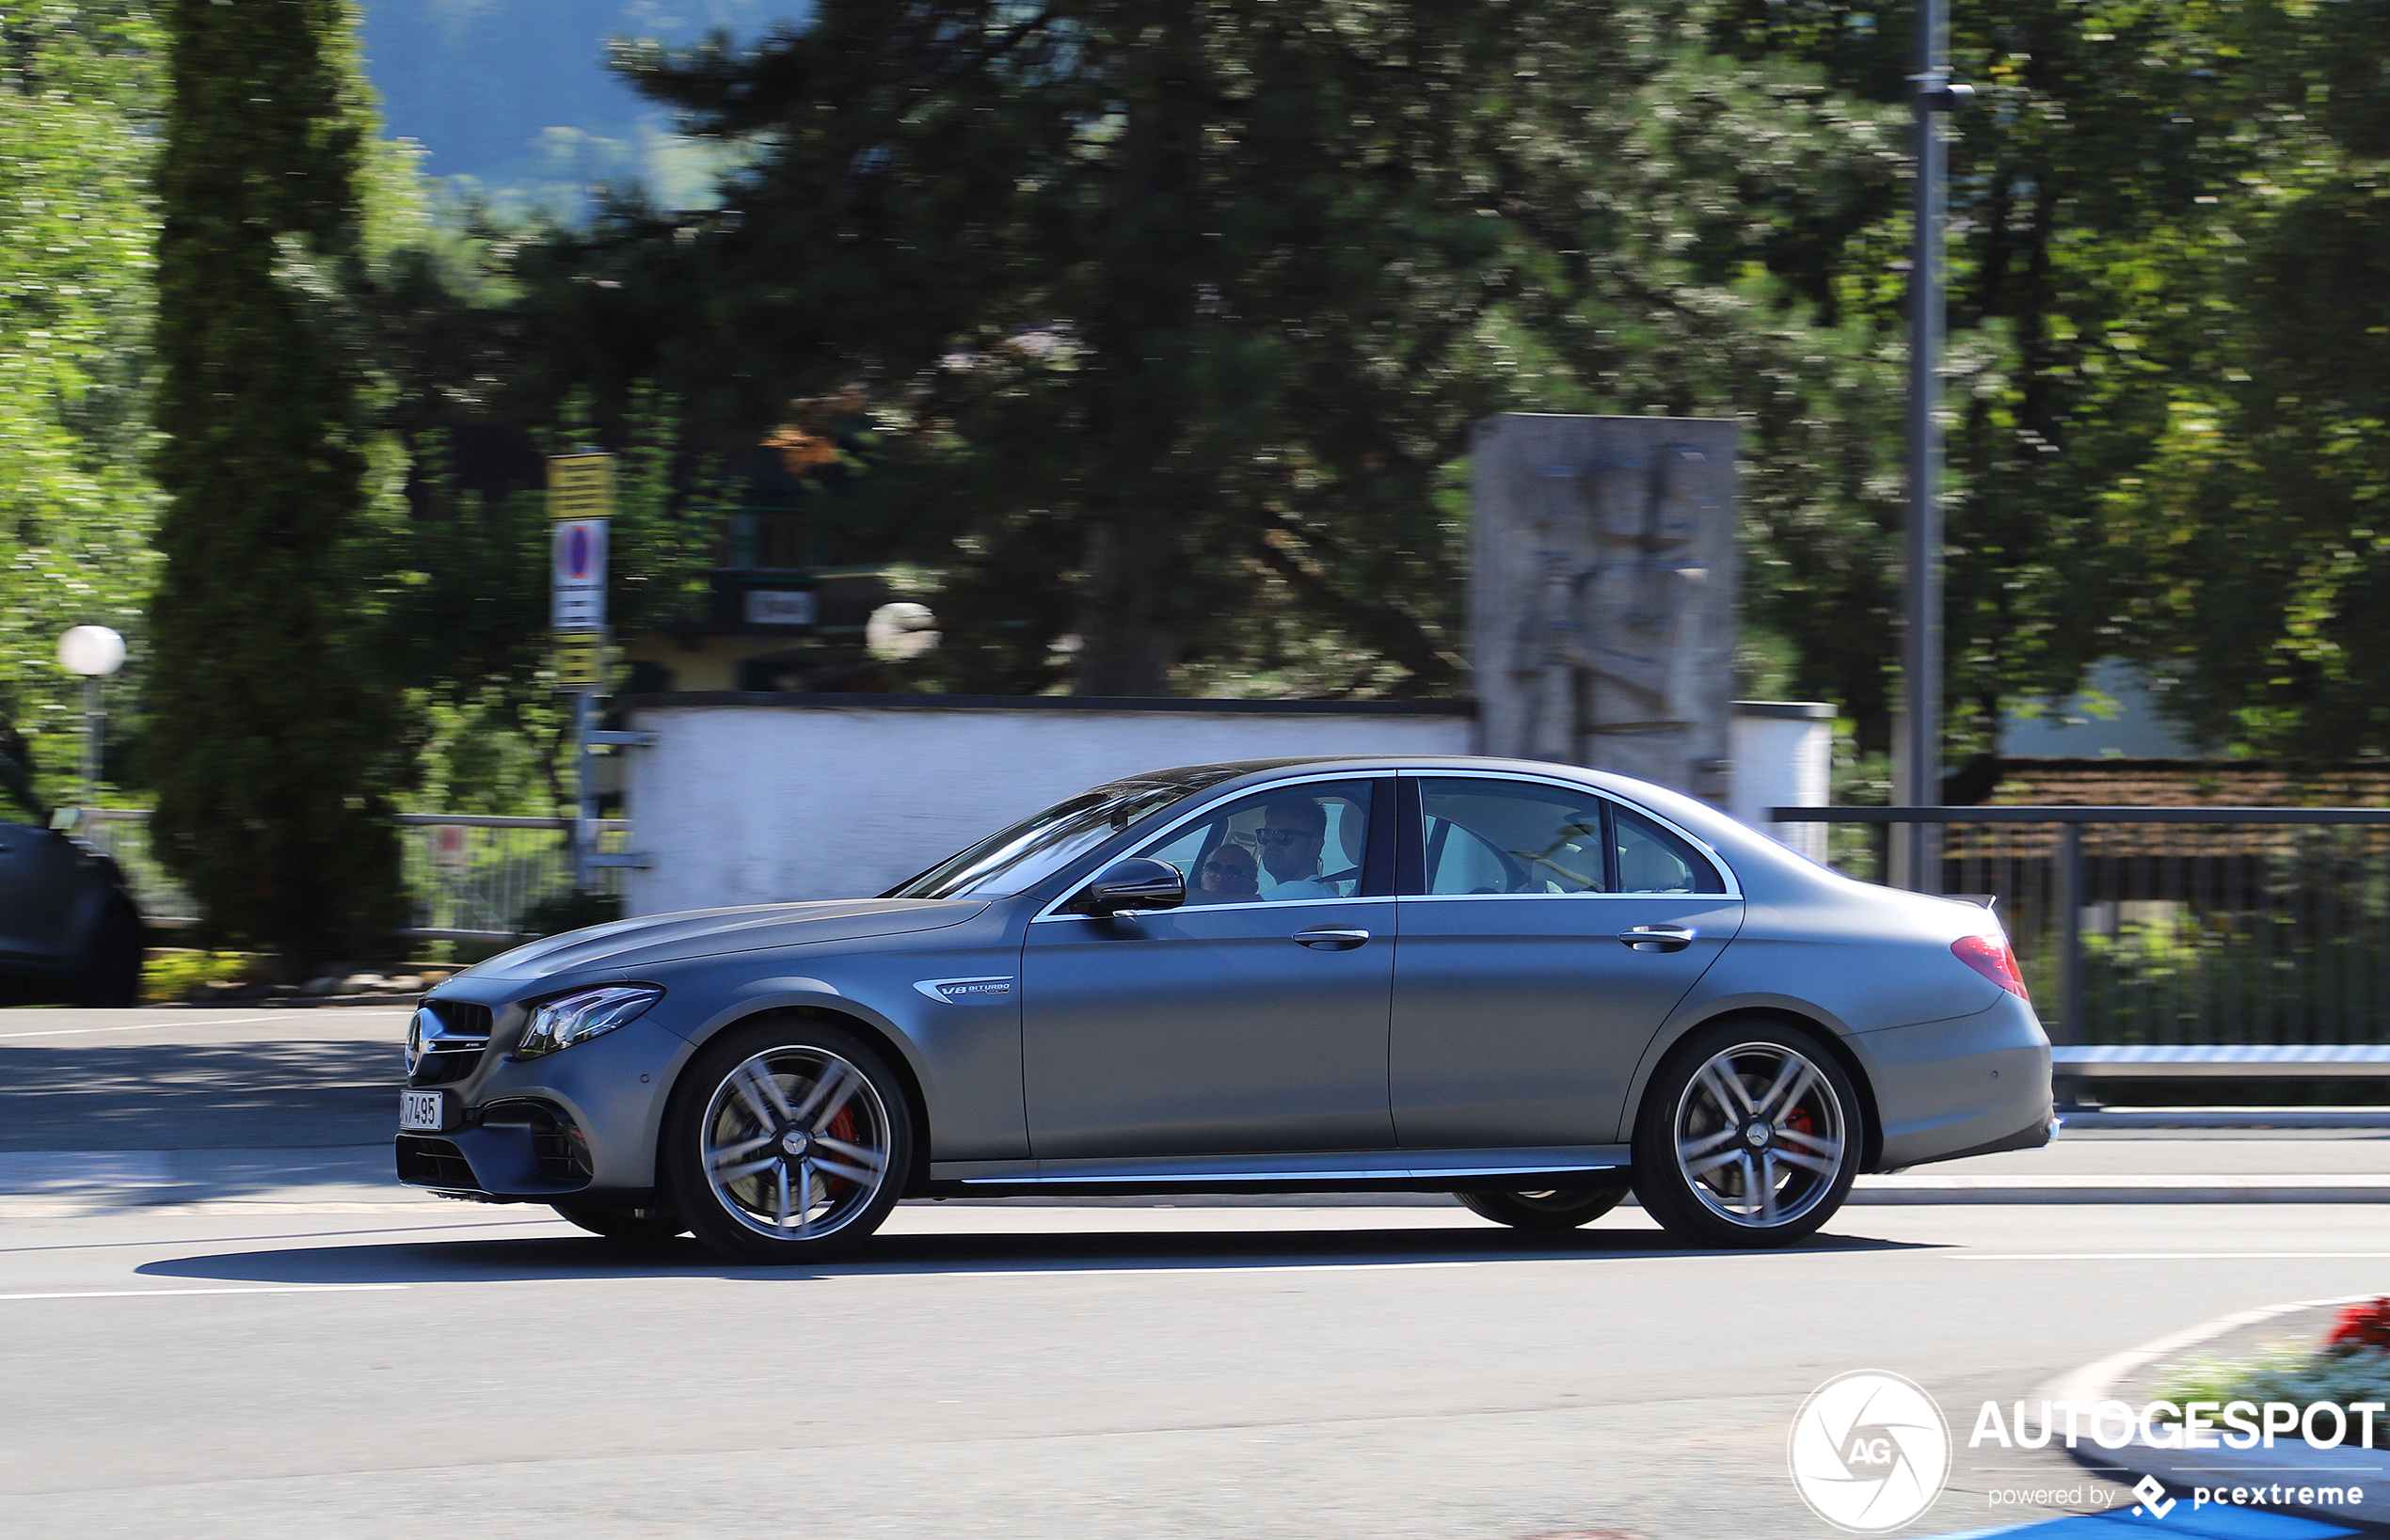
961,1058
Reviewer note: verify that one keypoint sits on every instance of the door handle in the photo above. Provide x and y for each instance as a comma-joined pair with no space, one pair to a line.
1342,938
1658,938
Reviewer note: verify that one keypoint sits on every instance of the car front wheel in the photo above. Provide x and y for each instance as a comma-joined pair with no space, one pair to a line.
788,1142
1749,1136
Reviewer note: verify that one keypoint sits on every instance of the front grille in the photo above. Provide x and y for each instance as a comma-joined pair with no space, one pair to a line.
434,1163
467,1026
560,1148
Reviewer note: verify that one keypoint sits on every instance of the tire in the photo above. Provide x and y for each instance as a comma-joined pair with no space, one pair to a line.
787,1142
109,973
1749,1135
633,1226
1562,1209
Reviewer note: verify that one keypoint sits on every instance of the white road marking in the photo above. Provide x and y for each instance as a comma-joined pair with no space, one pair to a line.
2173,1256
145,1294
177,1022
1132,1270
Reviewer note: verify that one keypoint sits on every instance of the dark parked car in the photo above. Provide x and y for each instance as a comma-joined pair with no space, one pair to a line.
68,930
1529,985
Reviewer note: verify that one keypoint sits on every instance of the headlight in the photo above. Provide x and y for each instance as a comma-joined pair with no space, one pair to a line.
584,1014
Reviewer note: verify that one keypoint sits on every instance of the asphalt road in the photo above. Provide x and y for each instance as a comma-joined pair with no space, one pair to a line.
293,1356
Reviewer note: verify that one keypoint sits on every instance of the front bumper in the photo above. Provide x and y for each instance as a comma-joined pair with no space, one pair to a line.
583,1121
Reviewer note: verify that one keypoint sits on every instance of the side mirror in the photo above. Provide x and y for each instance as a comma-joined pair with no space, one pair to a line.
1135,883
66,820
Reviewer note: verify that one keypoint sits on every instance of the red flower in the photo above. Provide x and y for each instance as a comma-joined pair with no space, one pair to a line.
2361,1327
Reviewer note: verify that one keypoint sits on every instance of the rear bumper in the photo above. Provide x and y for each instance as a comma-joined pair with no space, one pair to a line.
1968,1085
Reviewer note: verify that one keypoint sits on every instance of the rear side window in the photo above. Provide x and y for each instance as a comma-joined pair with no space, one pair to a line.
1652,860
1480,835
1510,837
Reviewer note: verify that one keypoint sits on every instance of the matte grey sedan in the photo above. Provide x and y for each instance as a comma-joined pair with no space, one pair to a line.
1531,986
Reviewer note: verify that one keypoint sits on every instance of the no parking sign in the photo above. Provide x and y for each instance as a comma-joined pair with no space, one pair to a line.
580,495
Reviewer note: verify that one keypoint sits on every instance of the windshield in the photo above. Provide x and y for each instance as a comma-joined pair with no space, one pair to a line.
1036,847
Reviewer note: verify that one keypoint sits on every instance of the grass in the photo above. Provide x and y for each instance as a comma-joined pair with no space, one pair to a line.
170,976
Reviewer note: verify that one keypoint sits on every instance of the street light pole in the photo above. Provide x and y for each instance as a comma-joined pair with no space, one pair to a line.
1917,767
92,652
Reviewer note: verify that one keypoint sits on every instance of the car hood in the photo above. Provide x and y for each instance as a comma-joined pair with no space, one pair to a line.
708,932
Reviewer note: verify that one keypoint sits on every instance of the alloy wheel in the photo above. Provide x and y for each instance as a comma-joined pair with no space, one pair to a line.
795,1143
1759,1134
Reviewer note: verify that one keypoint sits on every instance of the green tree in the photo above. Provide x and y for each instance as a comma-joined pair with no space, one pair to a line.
2261,525
268,747
2165,266
1175,311
80,90
459,628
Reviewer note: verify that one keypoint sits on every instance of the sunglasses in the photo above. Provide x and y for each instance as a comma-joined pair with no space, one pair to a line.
1283,836
1229,869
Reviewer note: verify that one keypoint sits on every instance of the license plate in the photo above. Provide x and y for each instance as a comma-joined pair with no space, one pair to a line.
422,1111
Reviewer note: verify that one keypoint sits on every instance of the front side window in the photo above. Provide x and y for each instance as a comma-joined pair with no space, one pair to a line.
1038,847
1304,841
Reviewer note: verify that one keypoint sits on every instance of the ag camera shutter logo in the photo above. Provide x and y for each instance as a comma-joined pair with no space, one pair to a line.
1869,1451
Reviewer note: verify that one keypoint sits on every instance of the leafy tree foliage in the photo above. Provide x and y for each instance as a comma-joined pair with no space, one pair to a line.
79,84
1174,313
2166,251
267,742
2260,528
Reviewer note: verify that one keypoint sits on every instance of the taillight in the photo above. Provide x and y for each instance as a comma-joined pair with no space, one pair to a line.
1991,957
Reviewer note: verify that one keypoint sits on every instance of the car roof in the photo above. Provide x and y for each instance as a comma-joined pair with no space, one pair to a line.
1221,772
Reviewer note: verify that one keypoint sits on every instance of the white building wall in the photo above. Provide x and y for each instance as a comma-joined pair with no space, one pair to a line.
746,803
1783,757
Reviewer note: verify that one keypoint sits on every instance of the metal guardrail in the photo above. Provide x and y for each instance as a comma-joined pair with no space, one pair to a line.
2225,1061
469,877
2176,942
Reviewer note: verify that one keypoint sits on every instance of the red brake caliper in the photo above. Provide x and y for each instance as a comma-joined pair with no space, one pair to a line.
842,1128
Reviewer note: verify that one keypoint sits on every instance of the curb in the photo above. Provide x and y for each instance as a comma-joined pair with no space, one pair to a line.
2152,1188
2182,1117
2098,1381
293,1002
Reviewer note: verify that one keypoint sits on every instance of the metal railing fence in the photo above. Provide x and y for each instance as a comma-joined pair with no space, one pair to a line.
468,877
124,834
2180,926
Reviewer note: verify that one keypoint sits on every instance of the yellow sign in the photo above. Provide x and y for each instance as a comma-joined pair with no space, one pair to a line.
579,660
580,486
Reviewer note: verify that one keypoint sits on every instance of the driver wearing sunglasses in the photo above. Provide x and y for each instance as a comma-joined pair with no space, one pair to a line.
1291,836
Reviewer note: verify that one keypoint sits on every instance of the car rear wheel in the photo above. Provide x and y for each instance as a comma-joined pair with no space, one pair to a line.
788,1142
1558,1209
1749,1136
637,1227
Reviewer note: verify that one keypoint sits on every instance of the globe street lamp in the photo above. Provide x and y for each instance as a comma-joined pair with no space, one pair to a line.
94,652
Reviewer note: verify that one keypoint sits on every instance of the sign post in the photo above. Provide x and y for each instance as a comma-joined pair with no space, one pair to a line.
581,504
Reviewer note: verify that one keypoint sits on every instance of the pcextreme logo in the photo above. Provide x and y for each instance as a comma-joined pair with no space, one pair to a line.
1869,1451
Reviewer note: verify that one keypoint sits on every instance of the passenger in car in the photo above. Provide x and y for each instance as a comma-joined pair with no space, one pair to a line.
1228,876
